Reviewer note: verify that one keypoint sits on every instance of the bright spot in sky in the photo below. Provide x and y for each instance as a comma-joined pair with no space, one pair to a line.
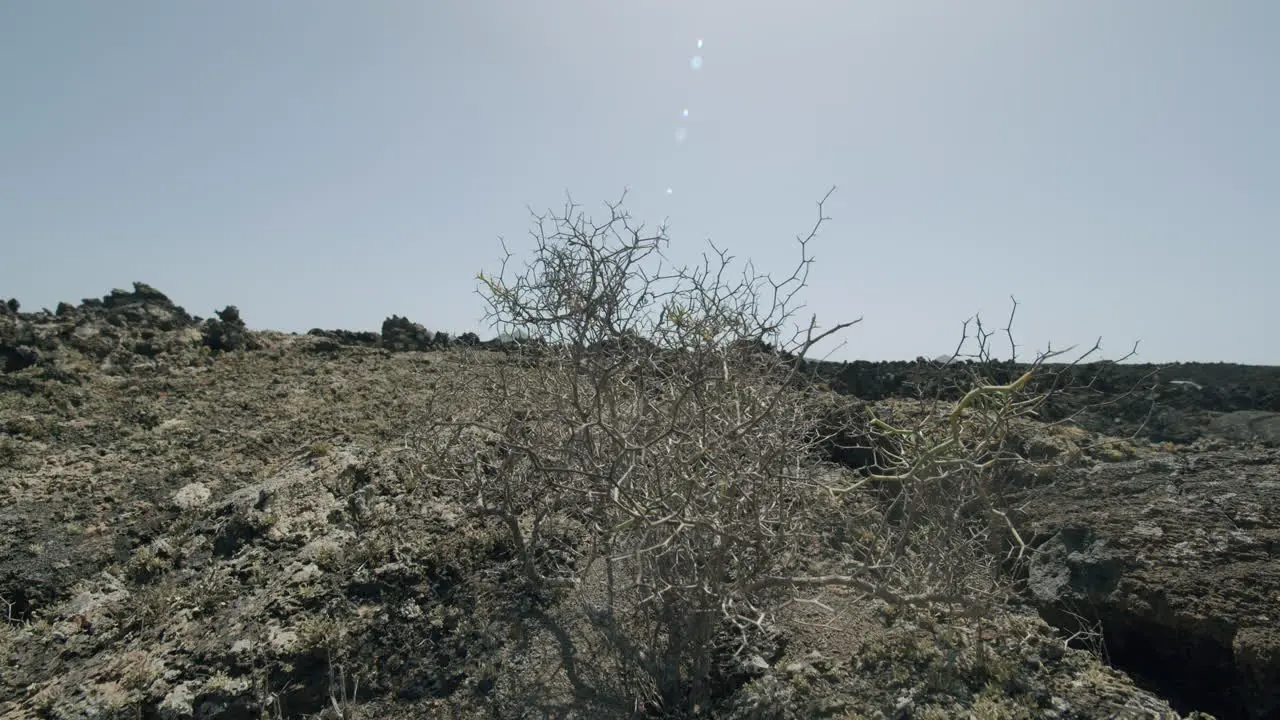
668,191
684,113
699,43
696,62
681,134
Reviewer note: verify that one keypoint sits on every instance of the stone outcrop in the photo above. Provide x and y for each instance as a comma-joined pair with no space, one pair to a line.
119,330
228,332
400,333
1174,557
335,339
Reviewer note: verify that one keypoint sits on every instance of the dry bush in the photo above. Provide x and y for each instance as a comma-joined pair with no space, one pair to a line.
953,469
655,457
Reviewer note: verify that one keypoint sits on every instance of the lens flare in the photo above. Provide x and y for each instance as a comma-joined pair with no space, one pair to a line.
681,134
684,113
696,62
699,43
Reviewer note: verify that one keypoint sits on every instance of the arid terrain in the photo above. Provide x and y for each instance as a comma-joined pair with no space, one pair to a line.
199,520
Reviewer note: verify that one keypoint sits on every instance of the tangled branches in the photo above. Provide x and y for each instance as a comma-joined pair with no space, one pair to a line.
666,424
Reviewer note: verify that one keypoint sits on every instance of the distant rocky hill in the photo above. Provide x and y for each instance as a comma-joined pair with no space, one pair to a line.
1177,402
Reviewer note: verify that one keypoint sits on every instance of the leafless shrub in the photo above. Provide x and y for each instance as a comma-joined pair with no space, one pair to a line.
666,426
950,474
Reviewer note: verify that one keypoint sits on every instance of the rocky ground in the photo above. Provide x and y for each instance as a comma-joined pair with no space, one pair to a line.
203,521
1174,554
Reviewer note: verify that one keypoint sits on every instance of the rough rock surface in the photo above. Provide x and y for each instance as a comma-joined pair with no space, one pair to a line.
1248,426
122,332
1177,402
1177,555
204,521
399,333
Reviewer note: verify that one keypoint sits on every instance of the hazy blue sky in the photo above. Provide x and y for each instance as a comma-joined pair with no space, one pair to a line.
1114,165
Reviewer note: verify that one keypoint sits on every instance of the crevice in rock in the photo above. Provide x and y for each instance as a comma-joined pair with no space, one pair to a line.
1073,577
17,606
1191,672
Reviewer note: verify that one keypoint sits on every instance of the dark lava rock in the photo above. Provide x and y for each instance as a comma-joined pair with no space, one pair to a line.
228,332
1248,426
1176,403
1175,555
400,333
17,358
145,306
117,331
344,338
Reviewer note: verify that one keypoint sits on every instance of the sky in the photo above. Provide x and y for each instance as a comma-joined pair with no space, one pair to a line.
1114,166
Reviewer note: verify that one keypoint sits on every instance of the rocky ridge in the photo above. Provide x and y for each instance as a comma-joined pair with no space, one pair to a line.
210,521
